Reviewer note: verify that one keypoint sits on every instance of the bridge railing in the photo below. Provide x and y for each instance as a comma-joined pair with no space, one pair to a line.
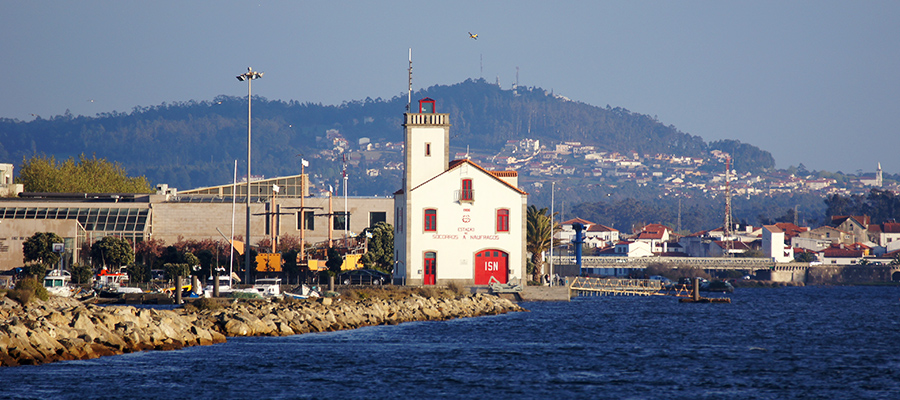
615,287
703,262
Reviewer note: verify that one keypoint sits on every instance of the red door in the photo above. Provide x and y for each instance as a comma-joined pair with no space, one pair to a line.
430,268
491,263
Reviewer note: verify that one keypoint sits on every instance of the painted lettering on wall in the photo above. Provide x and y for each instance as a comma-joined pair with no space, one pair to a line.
466,237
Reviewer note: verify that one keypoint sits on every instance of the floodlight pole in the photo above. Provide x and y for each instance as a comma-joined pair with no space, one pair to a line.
248,76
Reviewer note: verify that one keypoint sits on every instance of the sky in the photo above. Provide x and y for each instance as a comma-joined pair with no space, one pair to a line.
813,82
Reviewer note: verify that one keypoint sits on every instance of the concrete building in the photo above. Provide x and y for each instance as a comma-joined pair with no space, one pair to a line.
454,221
84,218
773,244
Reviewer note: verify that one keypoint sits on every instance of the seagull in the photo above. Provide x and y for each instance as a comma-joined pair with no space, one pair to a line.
473,35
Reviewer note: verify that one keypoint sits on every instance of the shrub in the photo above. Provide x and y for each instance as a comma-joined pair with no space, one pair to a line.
426,291
35,288
244,295
457,289
206,303
20,295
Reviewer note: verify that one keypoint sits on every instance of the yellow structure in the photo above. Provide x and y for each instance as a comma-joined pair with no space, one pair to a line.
268,262
351,261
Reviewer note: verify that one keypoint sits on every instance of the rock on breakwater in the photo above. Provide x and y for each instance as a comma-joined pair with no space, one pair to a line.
65,329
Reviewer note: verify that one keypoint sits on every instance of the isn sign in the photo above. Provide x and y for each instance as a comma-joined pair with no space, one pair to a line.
268,262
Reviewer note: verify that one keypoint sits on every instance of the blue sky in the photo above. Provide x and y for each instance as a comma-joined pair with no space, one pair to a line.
813,82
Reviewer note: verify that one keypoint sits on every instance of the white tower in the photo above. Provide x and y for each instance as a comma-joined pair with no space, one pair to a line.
427,140
878,176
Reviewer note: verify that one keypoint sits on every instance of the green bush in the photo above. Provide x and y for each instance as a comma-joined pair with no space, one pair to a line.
34,288
244,295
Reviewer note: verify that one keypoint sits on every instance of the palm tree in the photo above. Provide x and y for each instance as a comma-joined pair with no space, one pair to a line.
539,236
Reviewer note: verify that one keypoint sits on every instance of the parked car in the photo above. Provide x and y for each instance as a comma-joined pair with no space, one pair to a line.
364,277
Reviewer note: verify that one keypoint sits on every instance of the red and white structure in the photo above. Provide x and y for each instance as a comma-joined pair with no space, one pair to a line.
454,221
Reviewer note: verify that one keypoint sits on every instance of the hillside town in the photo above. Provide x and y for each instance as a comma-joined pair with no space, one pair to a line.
847,240
672,175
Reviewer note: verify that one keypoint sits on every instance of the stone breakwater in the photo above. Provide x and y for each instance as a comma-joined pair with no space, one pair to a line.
65,329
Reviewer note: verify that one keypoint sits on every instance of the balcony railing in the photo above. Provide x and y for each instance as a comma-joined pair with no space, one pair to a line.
465,195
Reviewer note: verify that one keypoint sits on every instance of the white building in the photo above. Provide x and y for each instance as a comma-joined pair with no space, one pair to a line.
773,244
454,221
7,187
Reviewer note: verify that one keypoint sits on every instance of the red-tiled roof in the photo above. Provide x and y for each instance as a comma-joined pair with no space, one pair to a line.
455,163
890,227
578,220
601,228
831,252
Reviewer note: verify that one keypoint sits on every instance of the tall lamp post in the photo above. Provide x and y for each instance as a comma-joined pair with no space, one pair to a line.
248,76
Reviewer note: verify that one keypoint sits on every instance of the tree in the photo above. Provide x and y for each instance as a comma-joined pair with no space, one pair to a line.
804,257
539,236
335,260
380,254
39,250
86,175
112,250
82,274
334,263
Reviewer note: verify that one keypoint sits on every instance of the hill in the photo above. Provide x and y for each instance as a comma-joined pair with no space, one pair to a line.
193,144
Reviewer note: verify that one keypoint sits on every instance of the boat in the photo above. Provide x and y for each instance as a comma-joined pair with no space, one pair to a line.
264,287
268,287
111,284
224,286
303,292
717,286
57,283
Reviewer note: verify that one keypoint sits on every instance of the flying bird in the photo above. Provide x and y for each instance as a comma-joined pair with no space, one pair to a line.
473,35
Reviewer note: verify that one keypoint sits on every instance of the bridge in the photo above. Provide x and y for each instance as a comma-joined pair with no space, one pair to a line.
671,262
764,268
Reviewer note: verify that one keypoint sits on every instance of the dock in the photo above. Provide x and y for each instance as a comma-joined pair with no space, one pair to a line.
585,286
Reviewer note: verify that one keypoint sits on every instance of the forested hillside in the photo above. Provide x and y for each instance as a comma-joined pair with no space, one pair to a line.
194,143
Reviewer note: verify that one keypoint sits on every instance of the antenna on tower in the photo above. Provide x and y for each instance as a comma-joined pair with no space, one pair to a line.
481,66
409,87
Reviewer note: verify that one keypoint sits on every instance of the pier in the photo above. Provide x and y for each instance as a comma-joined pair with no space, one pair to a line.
585,286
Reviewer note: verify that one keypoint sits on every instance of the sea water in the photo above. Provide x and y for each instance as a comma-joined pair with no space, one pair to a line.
799,342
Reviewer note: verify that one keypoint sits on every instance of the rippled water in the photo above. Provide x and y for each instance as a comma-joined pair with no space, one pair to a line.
810,342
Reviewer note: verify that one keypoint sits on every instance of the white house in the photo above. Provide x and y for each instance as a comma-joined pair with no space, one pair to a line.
454,221
595,235
631,249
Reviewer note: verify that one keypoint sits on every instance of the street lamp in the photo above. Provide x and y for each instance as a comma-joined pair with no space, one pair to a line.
248,76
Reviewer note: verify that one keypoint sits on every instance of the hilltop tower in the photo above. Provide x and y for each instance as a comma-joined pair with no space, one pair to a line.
878,176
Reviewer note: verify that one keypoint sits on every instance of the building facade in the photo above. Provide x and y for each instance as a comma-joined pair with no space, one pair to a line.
81,219
454,221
